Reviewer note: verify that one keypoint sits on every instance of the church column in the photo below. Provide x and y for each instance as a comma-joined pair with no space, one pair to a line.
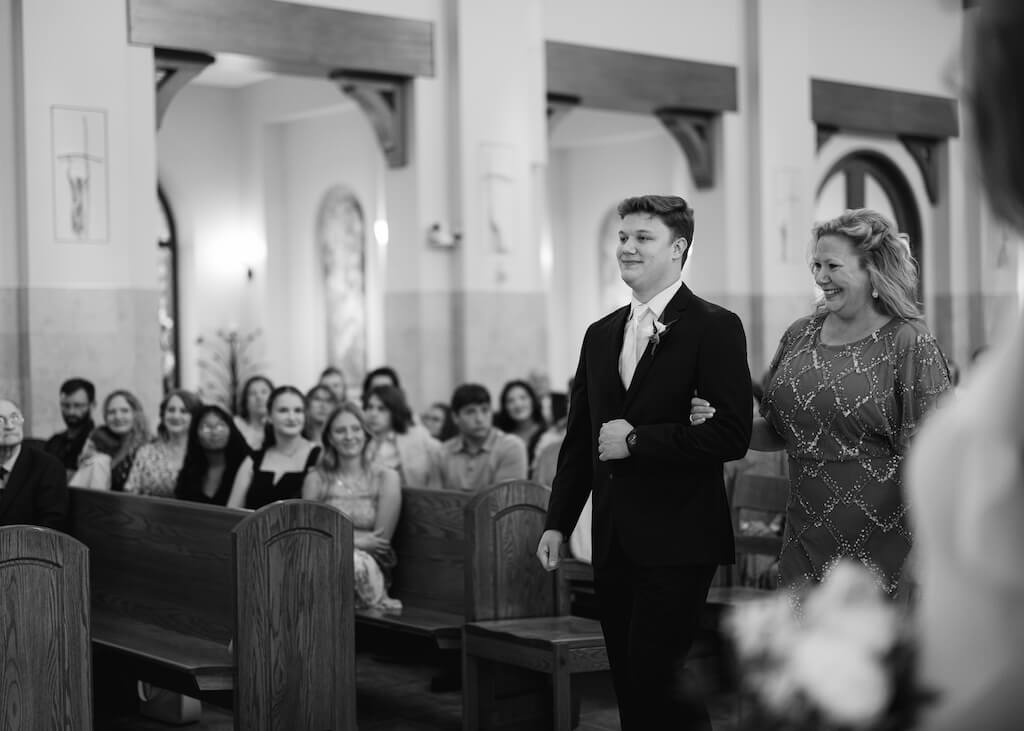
500,306
777,108
85,204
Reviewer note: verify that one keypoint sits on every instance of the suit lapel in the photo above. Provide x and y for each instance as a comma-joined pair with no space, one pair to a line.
615,335
14,482
673,311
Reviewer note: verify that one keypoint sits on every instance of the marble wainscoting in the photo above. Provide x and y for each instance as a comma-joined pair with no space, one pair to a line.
110,336
11,380
503,336
419,344
438,340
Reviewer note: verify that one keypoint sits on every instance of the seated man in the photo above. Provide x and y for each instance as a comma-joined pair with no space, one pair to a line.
479,455
77,398
33,484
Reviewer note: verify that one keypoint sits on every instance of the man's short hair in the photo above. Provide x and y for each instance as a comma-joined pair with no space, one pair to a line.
673,211
78,384
470,394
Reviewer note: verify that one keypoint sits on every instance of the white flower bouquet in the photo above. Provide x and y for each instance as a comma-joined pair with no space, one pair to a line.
845,661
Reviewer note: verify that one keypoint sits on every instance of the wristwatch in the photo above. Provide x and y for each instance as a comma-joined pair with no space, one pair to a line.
631,439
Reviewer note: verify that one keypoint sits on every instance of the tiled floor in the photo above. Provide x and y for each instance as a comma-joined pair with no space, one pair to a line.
393,694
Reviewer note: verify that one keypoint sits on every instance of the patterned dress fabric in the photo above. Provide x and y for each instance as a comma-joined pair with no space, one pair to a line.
847,413
358,500
155,470
119,471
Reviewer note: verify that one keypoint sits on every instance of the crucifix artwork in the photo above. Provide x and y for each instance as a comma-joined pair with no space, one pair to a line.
79,174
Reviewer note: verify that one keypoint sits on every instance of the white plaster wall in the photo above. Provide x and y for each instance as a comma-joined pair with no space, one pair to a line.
911,45
502,130
83,60
244,170
9,275
76,54
200,163
696,30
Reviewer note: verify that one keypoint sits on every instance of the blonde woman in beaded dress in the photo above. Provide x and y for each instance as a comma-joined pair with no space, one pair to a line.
844,396
370,495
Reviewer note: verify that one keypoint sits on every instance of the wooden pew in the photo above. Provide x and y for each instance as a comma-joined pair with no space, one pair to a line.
162,574
174,582
45,663
429,578
520,619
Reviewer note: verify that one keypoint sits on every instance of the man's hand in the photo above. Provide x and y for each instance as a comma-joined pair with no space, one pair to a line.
700,411
611,441
549,549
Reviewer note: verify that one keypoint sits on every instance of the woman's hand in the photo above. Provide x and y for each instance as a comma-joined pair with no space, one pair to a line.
371,542
700,411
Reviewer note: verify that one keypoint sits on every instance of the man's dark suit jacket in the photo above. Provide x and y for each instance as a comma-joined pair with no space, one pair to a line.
36,491
666,502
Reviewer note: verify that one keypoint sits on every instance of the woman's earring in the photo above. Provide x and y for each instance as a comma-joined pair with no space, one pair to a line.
874,293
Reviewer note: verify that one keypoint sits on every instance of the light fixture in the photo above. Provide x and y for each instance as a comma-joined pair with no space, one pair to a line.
438,236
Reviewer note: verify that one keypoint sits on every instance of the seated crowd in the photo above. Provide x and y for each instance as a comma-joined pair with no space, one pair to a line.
285,443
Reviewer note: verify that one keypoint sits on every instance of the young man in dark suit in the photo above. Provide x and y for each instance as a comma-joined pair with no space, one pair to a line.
33,484
661,521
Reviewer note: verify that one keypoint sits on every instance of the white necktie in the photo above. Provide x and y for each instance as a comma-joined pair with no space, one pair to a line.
635,342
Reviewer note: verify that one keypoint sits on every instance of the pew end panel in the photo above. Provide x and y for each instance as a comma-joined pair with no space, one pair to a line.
294,619
504,579
46,673
518,630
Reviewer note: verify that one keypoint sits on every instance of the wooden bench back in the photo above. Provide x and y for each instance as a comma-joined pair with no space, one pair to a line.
760,493
430,541
46,673
164,562
504,579
295,619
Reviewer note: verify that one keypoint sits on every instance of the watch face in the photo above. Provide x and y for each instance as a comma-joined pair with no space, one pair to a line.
631,438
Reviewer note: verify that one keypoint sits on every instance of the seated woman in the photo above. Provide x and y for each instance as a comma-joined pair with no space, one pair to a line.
382,376
276,471
251,413
320,402
216,449
123,433
94,461
521,414
368,494
438,421
397,443
157,464
334,379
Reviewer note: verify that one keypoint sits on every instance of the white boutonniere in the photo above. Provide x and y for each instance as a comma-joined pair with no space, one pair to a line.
654,332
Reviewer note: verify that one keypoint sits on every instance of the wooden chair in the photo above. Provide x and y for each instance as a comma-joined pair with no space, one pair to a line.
307,685
518,612
46,668
760,496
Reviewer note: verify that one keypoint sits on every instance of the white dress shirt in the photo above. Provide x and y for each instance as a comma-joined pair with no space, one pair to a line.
642,313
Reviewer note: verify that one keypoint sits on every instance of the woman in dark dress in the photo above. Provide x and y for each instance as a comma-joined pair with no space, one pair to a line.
276,471
215,451
520,413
